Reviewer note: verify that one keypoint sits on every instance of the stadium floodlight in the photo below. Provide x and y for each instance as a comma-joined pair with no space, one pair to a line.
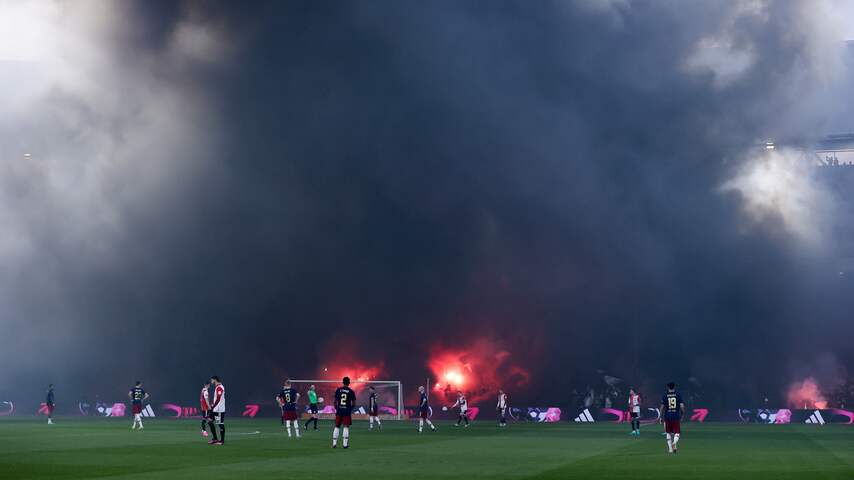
389,396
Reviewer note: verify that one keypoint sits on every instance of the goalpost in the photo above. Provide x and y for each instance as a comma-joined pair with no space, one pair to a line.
389,396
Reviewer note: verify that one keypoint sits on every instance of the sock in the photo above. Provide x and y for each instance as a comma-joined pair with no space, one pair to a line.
335,436
222,432
466,418
296,427
431,425
346,437
315,423
139,419
213,430
371,421
204,423
420,424
379,423
288,427
675,439
669,443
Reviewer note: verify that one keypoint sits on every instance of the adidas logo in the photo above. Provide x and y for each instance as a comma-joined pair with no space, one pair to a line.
584,417
815,418
147,411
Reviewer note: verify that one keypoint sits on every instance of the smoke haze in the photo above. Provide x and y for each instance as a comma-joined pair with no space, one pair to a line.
262,190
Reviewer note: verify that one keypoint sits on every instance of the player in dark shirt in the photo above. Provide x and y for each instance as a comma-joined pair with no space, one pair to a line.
671,411
49,405
287,398
344,399
424,411
374,409
137,395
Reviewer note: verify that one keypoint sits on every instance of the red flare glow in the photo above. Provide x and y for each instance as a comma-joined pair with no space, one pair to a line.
345,363
806,394
479,370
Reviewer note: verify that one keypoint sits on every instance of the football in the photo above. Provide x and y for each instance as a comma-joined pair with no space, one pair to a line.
319,399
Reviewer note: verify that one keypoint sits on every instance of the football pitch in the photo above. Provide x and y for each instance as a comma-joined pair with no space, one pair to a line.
173,449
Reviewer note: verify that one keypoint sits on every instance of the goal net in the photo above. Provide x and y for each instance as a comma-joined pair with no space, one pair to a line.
389,397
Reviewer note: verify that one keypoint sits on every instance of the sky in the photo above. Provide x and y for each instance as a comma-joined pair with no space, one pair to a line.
538,192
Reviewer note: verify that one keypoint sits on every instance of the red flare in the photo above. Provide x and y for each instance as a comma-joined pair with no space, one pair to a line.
478,370
806,394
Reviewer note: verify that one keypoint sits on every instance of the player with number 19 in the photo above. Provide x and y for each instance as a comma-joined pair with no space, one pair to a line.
672,409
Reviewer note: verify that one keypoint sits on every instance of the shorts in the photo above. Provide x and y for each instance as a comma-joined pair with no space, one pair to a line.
671,426
289,414
374,412
313,408
50,408
137,408
218,417
345,420
634,415
425,414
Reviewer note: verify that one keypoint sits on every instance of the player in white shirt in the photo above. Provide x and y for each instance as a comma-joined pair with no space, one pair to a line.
502,408
218,411
463,405
635,410
205,406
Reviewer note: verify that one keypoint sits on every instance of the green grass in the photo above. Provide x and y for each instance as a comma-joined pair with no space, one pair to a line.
171,449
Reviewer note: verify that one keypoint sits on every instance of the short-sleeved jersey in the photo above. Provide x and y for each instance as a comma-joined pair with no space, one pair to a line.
423,404
218,404
672,402
49,399
345,398
463,403
372,401
288,397
204,400
312,396
634,403
136,395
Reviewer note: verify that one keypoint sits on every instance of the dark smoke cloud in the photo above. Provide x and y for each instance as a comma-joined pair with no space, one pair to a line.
223,188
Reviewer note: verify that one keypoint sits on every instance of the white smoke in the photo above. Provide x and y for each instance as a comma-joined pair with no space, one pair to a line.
780,184
93,130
